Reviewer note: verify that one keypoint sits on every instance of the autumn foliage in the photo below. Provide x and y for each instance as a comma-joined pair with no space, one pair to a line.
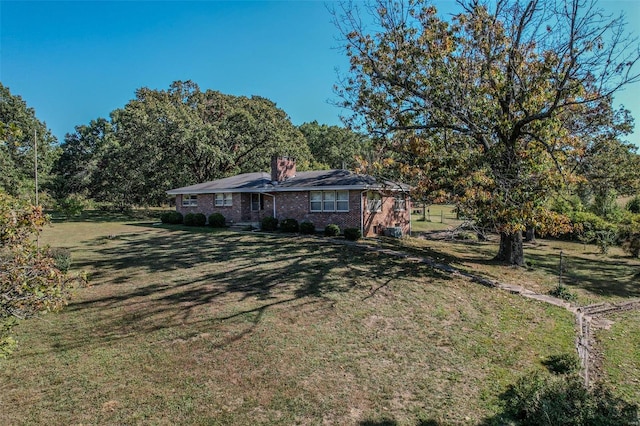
30,282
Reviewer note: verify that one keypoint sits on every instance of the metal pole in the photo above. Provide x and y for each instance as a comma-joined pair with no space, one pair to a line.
560,270
35,149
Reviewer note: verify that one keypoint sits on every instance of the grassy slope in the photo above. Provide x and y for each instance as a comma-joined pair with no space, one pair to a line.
592,276
228,328
621,346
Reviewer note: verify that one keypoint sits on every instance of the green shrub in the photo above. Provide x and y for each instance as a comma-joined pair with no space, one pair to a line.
634,205
73,205
331,230
307,228
591,228
269,224
631,244
195,219
591,222
562,292
538,399
61,258
200,219
217,220
289,225
352,234
171,218
562,364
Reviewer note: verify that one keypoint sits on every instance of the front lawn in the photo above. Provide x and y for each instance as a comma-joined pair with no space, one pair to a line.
240,328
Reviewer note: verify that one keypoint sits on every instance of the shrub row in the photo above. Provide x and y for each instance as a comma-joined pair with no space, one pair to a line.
216,220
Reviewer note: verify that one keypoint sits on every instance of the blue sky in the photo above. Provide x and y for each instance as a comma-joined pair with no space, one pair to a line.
75,61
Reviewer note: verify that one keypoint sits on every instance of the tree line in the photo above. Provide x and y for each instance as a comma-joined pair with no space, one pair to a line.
159,140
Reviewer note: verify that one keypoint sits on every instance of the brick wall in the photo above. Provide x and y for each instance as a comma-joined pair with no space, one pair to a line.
297,205
376,222
206,205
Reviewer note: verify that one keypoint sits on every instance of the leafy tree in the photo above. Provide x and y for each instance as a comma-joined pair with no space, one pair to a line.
333,146
168,138
29,280
76,168
504,80
18,127
606,166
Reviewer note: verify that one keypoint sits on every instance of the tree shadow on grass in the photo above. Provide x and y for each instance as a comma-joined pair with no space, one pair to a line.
604,277
149,282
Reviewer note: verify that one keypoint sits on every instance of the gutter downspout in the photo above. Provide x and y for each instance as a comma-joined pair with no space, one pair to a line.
274,203
362,212
410,207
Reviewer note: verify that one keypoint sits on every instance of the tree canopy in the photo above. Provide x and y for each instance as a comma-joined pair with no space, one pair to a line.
498,96
18,128
164,139
335,147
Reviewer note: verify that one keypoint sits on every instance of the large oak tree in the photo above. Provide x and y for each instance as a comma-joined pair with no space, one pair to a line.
164,139
492,95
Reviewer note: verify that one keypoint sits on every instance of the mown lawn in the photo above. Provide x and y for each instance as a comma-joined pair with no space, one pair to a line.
621,351
184,327
591,276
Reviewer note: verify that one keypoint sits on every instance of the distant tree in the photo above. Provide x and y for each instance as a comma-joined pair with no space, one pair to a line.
333,146
18,126
504,79
76,169
168,138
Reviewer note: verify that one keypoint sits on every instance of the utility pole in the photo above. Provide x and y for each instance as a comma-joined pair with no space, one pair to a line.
35,150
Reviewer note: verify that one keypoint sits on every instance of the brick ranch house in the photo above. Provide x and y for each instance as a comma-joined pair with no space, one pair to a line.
322,197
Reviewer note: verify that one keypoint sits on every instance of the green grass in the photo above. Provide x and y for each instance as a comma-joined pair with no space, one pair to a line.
621,357
591,276
187,327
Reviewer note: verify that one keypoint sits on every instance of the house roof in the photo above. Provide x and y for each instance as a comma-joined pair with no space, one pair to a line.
302,181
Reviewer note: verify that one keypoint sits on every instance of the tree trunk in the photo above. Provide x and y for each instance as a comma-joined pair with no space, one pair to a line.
530,236
511,249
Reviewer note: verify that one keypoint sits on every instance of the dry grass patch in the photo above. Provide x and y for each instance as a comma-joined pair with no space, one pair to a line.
234,328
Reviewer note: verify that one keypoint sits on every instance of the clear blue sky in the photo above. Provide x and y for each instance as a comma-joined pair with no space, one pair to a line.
75,61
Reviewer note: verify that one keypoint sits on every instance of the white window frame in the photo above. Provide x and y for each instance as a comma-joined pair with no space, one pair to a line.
329,201
260,202
315,197
189,200
223,199
400,202
374,201
342,197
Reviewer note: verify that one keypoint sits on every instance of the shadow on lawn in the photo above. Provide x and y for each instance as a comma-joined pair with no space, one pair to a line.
604,277
160,280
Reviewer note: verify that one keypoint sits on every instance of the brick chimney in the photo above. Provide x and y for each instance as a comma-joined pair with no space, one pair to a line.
282,168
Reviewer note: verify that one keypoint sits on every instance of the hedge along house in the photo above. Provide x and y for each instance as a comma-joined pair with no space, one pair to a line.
322,197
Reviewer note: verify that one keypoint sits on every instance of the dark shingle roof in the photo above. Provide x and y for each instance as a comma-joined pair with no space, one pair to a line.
302,181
